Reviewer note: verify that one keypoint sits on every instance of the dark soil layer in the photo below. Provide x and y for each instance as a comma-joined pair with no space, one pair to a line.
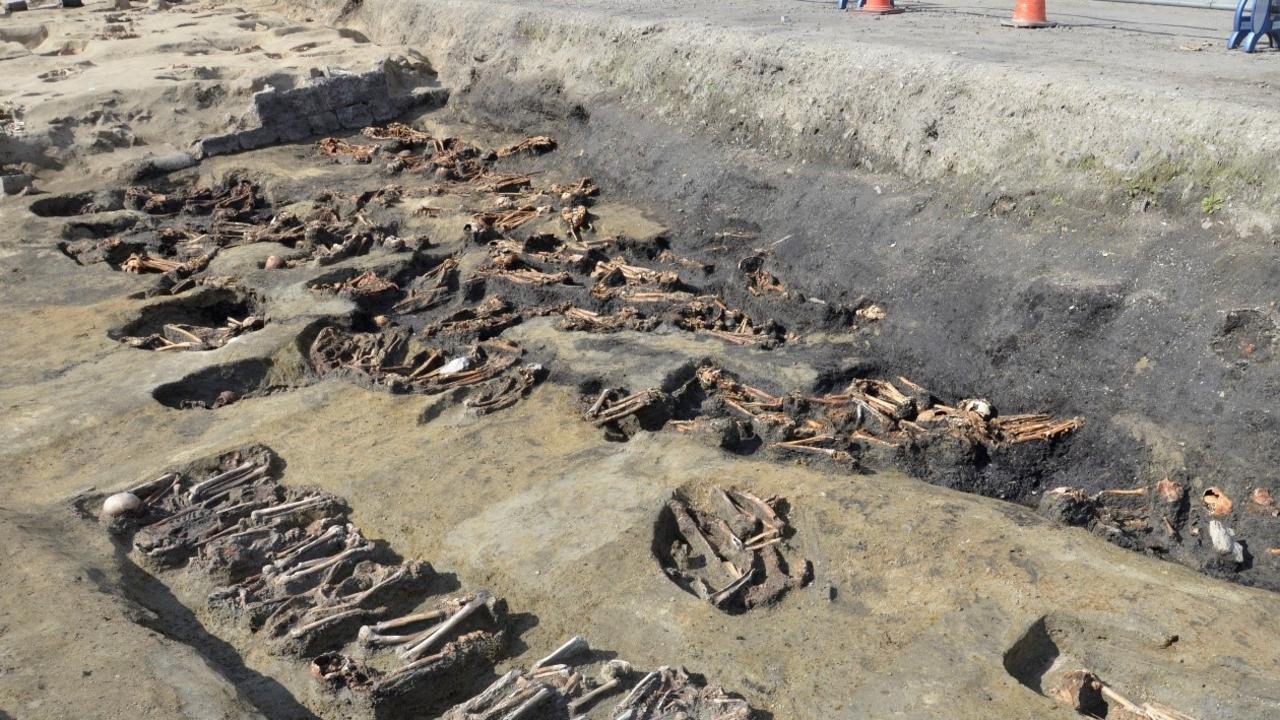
1127,325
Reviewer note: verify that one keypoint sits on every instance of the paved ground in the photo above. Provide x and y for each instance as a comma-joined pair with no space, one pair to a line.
1158,48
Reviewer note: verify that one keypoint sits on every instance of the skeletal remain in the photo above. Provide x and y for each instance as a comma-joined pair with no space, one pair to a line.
121,504
1025,428
611,676
301,630
575,645
627,406
236,531
1263,501
482,598
289,556
370,637
534,146
235,476
381,579
469,650
335,147
397,131
337,670
669,693
739,540
1217,502
290,507
1088,695
528,705
357,546
510,390
153,491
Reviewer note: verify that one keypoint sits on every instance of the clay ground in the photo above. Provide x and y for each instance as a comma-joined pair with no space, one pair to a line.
926,602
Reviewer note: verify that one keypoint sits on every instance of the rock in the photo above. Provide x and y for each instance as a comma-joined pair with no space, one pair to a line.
355,116
274,262
455,366
1068,506
158,165
1081,690
218,145
14,184
323,123
1224,541
13,50
259,138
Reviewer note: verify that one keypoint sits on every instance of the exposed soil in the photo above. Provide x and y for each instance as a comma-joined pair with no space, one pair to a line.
574,375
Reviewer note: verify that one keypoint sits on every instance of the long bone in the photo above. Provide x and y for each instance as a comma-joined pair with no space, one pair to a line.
229,487
153,490
287,556
498,689
574,646
409,620
238,507
288,507
642,687
371,635
233,474
462,646
611,675
350,549
356,545
627,406
355,599
481,599
508,698
236,531
528,705
372,638
301,630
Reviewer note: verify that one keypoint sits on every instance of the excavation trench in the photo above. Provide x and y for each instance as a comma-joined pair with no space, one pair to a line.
477,275
774,314
656,389
447,250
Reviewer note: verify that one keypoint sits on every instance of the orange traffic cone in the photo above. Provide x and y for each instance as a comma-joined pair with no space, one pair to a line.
1028,14
878,7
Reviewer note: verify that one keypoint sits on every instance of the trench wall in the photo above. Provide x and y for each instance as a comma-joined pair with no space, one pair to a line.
918,112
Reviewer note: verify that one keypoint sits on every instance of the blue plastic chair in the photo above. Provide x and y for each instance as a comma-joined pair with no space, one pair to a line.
1251,24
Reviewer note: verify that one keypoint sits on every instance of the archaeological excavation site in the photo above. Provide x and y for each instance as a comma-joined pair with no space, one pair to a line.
590,360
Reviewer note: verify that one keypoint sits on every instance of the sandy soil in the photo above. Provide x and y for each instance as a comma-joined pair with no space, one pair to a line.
925,603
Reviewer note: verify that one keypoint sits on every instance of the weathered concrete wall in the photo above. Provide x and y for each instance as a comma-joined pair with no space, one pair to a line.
324,105
919,112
